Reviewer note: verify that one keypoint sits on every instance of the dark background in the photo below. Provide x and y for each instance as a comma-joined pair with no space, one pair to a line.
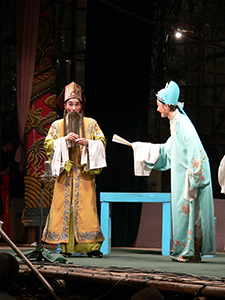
118,63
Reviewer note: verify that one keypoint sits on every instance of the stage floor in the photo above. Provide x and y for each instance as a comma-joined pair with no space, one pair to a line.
138,265
143,259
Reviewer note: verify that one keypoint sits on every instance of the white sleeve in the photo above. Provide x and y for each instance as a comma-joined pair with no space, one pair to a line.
94,155
144,152
221,175
60,156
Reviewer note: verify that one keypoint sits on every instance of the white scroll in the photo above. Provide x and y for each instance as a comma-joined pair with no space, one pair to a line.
120,140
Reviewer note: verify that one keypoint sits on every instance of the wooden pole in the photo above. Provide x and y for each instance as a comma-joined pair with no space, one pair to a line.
28,263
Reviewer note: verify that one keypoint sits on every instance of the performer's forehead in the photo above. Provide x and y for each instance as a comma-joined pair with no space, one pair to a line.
73,100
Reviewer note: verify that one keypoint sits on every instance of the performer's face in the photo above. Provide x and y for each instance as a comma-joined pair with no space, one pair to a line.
163,109
73,105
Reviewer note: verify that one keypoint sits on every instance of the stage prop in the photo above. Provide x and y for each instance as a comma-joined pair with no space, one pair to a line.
120,140
40,253
47,176
164,198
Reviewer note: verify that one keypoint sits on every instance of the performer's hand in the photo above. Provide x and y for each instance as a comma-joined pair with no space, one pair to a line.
71,136
82,141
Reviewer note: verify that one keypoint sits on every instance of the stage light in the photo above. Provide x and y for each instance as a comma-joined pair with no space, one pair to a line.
178,35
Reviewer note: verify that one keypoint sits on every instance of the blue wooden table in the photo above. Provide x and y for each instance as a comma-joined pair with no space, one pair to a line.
164,198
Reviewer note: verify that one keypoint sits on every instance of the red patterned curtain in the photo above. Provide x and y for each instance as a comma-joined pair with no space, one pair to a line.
42,112
36,98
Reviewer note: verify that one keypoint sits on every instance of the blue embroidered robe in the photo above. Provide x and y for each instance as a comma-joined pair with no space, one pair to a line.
184,151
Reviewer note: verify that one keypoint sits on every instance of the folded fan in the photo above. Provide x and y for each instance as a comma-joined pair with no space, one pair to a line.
120,140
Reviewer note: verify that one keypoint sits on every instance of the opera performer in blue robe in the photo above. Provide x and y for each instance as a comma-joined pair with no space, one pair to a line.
191,187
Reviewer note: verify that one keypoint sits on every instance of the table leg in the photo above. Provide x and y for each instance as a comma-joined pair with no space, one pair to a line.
106,227
166,228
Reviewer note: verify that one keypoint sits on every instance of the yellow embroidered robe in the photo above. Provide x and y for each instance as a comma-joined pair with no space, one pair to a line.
73,192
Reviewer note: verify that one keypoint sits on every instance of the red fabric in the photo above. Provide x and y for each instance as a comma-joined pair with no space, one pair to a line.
41,111
27,32
5,217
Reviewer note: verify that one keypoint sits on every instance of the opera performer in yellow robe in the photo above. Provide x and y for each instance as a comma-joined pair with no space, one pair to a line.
75,145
